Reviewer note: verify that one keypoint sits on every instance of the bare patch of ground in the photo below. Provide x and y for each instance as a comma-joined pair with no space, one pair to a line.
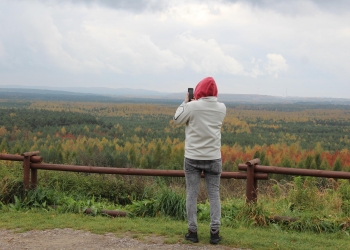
76,239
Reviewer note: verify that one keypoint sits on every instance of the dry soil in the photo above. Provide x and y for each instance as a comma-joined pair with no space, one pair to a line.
76,239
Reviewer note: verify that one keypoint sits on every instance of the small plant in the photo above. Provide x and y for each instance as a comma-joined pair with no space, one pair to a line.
143,208
276,190
203,211
17,205
71,205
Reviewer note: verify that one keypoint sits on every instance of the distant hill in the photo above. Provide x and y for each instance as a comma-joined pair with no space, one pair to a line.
37,91
93,90
256,99
111,94
236,98
50,95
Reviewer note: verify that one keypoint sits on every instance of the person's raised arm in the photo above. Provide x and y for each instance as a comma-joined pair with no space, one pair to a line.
182,113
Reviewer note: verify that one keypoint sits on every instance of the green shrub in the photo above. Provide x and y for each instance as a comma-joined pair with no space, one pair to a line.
304,194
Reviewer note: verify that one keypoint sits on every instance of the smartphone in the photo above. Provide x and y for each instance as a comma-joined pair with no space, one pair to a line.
190,95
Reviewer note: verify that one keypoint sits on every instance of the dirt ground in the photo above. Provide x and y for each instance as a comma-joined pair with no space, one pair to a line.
76,239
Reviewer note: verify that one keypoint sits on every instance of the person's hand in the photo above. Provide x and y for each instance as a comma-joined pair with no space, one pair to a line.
187,98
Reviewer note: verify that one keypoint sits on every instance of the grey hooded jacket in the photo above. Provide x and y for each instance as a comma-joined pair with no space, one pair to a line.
203,119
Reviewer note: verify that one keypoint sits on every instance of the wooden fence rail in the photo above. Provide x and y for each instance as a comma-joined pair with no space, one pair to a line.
253,172
253,168
32,162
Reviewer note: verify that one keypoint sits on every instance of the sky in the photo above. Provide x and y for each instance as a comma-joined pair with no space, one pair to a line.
265,47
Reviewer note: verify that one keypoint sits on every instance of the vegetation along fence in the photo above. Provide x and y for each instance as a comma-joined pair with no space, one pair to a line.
32,162
253,172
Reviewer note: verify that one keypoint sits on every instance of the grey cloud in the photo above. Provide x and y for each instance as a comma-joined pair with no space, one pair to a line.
129,5
289,6
282,6
158,5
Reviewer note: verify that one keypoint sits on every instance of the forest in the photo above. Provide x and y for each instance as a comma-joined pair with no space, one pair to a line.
143,135
140,133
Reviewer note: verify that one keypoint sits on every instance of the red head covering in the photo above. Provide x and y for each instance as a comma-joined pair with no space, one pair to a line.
206,87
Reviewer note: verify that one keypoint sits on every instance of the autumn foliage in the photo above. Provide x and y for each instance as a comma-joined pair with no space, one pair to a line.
143,135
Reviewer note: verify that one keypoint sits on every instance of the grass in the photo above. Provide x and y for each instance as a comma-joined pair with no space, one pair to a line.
172,231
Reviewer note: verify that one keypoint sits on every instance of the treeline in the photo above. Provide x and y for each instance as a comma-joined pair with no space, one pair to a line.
31,120
307,125
144,136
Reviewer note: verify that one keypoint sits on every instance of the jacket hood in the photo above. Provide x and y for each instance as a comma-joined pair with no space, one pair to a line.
206,87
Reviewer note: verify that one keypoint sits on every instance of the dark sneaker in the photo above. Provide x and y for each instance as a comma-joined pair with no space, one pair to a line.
191,236
214,236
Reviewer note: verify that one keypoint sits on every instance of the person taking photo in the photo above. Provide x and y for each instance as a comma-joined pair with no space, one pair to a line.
203,117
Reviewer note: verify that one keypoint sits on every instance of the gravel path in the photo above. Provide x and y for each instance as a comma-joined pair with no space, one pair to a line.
76,239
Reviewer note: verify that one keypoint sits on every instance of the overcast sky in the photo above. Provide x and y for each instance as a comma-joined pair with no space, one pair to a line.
267,47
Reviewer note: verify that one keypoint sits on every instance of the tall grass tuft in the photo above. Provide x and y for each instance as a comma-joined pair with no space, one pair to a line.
11,184
304,194
319,224
253,214
170,203
166,203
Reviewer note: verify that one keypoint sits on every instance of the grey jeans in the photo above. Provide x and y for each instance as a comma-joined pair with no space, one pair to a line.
212,171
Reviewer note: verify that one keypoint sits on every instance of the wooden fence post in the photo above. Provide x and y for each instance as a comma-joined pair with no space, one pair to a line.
252,183
26,172
29,172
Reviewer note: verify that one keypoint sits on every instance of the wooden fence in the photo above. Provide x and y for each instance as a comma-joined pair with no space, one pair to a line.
252,171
